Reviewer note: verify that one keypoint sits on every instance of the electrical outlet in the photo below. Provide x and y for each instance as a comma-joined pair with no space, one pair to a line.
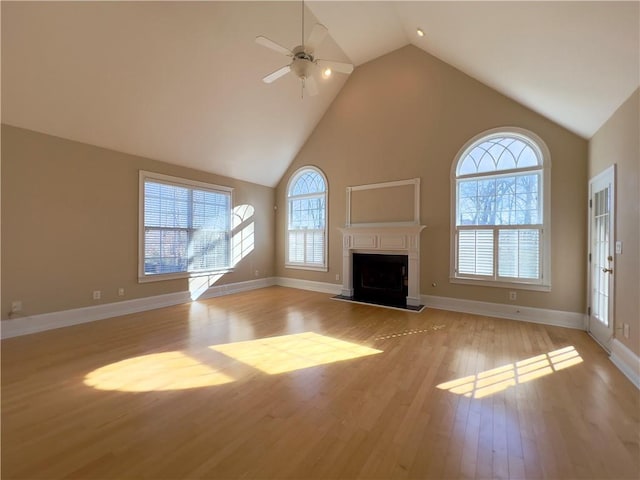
513,295
97,294
16,306
625,330
337,277
121,292
257,273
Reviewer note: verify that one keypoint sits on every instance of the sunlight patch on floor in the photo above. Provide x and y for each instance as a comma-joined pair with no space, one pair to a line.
156,372
498,379
275,355
178,370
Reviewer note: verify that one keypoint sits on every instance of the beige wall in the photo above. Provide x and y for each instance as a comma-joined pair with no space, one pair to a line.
618,142
406,115
70,223
70,210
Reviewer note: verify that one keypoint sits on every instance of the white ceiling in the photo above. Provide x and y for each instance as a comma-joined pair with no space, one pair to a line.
180,82
574,62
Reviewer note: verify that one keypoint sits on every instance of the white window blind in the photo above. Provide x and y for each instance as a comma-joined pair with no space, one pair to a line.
519,253
186,226
475,252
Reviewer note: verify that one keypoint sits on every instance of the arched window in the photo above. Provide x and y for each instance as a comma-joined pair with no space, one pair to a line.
307,220
500,215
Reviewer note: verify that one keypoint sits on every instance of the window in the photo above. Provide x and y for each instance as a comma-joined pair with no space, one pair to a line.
500,188
185,227
307,220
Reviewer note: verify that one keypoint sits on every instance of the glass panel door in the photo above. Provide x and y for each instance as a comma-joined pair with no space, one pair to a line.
601,257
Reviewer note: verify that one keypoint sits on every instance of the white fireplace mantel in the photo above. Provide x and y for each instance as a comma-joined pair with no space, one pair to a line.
383,239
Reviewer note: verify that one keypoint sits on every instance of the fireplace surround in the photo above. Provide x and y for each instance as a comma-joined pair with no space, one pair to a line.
383,240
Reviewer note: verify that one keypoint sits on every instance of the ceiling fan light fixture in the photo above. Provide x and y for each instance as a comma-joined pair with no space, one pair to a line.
301,67
420,32
326,72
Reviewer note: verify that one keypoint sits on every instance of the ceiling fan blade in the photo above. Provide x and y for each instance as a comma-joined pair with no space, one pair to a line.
311,86
265,42
339,67
316,37
272,77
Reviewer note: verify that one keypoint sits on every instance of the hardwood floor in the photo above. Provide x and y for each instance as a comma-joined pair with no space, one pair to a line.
283,383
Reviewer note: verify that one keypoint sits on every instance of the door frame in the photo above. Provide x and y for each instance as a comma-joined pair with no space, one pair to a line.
610,173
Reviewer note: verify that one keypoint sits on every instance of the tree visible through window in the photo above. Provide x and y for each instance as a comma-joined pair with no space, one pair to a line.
306,219
499,210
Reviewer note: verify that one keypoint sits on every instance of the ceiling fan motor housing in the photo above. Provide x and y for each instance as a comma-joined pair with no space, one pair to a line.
302,63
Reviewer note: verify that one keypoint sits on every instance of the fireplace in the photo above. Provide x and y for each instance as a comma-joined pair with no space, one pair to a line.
380,279
383,241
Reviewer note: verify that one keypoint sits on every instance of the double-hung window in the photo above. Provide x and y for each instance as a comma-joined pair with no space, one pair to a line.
185,227
307,220
501,211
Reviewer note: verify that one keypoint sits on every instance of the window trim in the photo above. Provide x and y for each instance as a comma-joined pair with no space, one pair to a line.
143,176
544,284
306,266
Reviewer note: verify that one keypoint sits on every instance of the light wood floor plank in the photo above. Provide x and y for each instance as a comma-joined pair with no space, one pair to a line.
283,383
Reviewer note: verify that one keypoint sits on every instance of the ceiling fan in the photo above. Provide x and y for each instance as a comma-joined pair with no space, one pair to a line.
304,63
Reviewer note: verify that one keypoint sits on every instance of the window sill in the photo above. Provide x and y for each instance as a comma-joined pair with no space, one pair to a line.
538,287
306,267
177,276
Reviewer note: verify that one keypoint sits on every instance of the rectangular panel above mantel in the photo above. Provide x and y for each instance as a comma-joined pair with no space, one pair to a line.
384,204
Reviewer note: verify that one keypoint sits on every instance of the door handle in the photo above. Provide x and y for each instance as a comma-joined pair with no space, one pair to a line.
607,270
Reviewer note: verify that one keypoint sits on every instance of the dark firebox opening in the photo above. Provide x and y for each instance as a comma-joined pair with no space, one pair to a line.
380,279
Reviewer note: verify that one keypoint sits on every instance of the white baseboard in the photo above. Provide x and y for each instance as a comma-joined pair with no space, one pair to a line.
323,287
48,321
556,318
513,312
626,361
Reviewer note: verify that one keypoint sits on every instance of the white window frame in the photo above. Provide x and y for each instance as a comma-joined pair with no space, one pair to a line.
181,182
294,177
542,284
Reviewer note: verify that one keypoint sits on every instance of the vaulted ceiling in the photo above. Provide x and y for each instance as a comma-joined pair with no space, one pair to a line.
181,81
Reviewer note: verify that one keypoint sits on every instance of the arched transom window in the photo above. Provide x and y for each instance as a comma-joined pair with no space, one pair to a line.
307,220
500,214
